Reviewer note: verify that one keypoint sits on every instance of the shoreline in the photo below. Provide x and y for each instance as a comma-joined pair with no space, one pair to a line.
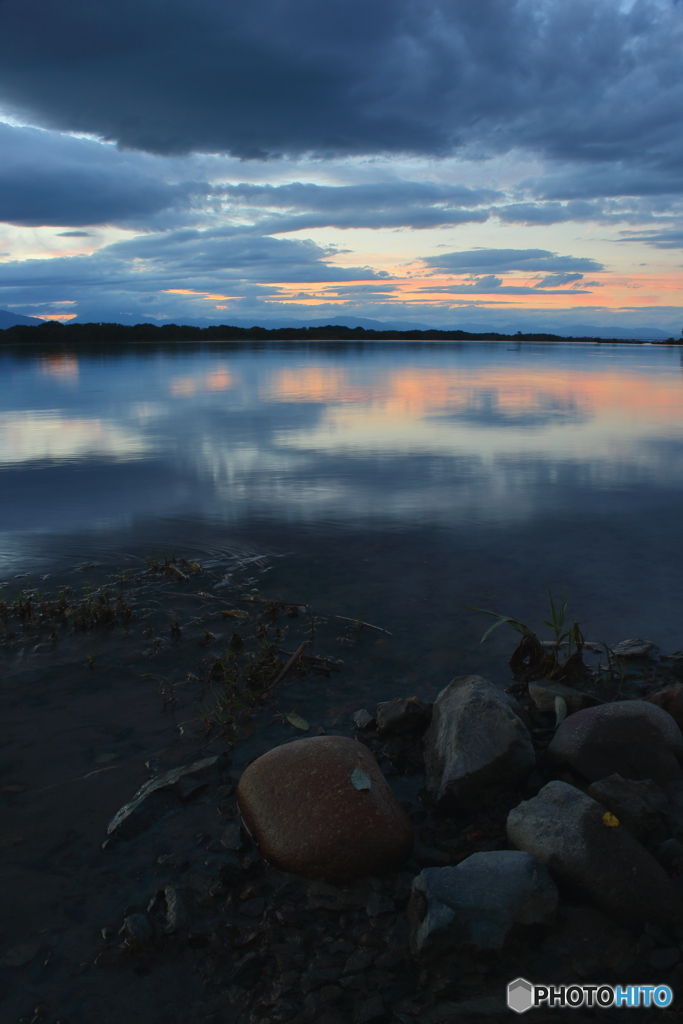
53,331
185,923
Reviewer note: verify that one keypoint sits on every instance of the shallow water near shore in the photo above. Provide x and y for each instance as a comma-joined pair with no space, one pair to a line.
388,482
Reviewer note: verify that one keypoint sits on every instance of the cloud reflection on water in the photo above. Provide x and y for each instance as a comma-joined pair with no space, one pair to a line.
355,436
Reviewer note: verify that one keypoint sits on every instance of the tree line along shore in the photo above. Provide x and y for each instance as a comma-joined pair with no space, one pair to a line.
55,331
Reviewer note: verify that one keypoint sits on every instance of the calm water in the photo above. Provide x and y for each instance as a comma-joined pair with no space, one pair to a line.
391,482
392,477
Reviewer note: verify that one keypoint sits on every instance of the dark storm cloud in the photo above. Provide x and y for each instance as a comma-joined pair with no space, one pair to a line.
499,261
46,178
595,80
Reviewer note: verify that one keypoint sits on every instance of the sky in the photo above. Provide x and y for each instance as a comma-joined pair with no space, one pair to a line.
503,164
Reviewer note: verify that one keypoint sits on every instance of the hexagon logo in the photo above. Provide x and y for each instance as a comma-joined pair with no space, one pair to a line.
520,995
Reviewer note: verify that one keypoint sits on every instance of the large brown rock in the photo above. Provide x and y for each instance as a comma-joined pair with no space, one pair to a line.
301,805
632,738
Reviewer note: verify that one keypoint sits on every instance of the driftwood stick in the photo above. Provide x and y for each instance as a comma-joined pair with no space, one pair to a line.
298,604
359,622
290,664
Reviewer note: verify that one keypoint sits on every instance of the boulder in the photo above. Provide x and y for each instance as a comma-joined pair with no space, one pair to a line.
635,649
321,808
576,838
161,794
632,738
475,905
641,807
476,745
670,699
403,715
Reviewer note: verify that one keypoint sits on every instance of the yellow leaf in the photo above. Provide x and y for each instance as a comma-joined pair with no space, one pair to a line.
610,820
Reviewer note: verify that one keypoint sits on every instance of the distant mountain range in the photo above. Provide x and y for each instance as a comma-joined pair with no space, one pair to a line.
10,319
575,330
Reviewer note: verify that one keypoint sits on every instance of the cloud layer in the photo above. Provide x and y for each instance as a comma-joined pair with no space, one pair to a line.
348,77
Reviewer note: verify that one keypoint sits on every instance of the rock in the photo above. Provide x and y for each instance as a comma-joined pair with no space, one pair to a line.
565,830
476,904
246,971
231,838
633,738
403,715
670,699
363,719
641,807
179,910
359,962
544,692
159,795
476,744
670,854
372,1011
303,806
175,861
139,931
253,908
589,940
429,857
325,896
635,649
20,954
378,905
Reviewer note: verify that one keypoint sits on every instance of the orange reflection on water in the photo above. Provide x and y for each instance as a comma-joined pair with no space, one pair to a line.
63,367
217,380
604,392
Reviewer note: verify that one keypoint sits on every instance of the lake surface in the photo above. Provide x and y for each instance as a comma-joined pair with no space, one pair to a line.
391,477
391,482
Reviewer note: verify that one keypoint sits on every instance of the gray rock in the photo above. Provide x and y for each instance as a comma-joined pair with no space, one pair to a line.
403,715
138,931
565,830
641,807
231,838
476,744
179,909
635,649
633,738
476,904
159,795
363,719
